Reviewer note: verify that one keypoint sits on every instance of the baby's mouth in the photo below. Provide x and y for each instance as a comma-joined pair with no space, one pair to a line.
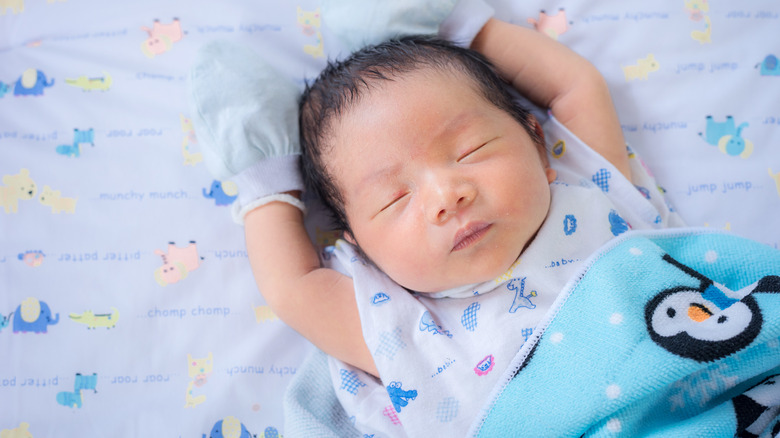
469,235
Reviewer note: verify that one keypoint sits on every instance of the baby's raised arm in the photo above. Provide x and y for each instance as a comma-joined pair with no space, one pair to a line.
248,132
553,76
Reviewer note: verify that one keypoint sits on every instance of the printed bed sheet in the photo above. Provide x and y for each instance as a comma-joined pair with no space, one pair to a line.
127,307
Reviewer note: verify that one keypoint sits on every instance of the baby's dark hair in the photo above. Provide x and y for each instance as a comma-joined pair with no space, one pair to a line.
341,85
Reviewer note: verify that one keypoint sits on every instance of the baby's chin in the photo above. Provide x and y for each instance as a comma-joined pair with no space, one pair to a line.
428,288
473,273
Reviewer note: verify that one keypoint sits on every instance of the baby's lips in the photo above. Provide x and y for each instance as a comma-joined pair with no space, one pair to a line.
466,234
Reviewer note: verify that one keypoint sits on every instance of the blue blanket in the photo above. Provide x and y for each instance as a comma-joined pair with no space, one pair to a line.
664,334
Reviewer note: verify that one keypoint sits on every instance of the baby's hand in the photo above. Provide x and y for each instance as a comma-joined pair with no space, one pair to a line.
245,115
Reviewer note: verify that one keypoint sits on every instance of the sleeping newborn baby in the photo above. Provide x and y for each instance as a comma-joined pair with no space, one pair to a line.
462,217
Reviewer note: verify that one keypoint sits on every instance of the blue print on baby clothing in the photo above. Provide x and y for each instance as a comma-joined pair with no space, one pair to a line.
617,224
601,178
643,191
447,409
569,224
390,343
350,381
558,149
399,396
469,318
527,332
379,299
428,324
521,300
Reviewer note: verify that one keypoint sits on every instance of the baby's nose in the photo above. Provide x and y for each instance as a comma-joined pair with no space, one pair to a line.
446,200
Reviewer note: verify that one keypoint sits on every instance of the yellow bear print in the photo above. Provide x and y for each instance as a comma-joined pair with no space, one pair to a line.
16,6
19,432
642,68
57,202
18,187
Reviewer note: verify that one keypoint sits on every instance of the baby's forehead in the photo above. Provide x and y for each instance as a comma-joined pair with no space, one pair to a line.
395,82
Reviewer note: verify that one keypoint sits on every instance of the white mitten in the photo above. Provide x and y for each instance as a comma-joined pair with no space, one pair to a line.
245,116
358,23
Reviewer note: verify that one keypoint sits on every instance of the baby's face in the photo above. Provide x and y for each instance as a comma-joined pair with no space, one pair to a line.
441,188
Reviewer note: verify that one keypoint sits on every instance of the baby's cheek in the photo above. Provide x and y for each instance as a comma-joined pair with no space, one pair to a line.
412,272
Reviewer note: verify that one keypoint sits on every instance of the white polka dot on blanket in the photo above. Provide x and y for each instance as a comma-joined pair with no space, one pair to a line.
711,256
613,391
616,318
635,251
614,425
556,337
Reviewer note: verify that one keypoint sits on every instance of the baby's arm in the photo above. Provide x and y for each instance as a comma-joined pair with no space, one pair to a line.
319,303
248,132
555,77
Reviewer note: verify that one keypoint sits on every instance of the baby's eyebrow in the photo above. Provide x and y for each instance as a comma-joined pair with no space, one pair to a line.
458,123
373,179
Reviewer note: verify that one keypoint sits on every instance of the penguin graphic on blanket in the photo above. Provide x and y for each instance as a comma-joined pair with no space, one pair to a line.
671,333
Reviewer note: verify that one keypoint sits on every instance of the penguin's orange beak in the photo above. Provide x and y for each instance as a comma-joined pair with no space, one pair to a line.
698,312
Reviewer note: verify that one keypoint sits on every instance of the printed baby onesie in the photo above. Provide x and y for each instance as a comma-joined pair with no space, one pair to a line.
441,355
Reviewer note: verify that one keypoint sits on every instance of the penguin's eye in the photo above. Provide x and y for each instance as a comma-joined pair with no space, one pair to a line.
670,312
722,319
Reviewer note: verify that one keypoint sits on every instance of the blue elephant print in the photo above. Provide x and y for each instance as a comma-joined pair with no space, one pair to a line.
222,193
399,396
727,137
228,427
31,83
270,432
769,66
34,316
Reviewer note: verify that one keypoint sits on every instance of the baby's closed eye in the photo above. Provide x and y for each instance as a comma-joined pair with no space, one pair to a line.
472,153
395,198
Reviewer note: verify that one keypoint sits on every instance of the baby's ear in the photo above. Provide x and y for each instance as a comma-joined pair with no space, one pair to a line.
551,174
349,238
